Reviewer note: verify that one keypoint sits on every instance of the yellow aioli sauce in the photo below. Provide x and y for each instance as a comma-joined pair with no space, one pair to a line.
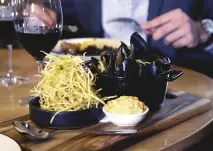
127,105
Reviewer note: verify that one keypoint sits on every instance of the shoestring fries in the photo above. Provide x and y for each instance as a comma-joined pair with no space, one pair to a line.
66,85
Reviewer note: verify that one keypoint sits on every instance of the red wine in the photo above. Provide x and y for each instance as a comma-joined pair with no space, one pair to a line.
7,32
34,43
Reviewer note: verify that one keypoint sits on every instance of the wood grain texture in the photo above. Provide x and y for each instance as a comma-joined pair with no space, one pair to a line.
172,112
177,137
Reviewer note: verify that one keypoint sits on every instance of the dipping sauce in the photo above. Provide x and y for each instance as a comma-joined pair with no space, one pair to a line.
128,105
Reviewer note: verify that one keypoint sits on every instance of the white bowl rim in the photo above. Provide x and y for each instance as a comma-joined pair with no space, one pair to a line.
127,115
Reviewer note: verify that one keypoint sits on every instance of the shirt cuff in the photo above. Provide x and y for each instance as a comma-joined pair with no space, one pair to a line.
208,46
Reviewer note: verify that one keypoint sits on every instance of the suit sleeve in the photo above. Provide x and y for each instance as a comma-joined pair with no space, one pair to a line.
208,9
207,12
70,19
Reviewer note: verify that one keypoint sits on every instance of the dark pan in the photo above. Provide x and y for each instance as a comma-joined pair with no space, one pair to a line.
64,120
151,91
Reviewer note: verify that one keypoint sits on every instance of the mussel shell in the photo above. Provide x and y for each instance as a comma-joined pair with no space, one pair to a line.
139,46
120,55
108,58
164,62
152,71
105,56
129,68
95,61
141,71
125,49
92,64
111,64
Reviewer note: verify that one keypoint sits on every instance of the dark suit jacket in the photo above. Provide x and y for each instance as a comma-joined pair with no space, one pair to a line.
87,15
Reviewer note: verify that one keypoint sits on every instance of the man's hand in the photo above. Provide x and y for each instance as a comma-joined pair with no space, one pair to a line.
46,15
43,14
177,29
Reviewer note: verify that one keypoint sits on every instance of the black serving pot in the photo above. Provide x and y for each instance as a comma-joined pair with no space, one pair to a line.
150,90
64,120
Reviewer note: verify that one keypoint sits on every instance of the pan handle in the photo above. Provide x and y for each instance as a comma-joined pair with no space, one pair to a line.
174,74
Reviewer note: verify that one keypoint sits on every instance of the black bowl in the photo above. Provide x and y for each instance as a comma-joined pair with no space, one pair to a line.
64,120
149,90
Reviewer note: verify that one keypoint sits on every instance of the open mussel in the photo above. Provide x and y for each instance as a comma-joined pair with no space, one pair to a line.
124,62
93,65
139,46
120,55
106,55
164,62
113,59
125,49
129,68
108,60
152,71
135,72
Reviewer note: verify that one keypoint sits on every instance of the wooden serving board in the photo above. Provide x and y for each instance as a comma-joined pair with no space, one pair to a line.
178,107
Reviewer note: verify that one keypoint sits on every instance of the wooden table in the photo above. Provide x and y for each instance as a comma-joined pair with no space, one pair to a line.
176,138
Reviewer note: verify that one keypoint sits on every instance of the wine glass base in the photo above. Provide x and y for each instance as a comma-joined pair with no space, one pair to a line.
14,80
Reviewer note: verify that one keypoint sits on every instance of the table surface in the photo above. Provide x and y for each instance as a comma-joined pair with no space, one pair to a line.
176,138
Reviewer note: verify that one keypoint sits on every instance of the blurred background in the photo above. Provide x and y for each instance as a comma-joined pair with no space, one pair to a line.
72,25
9,36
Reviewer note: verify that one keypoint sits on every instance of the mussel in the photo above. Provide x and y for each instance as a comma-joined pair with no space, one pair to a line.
92,64
113,59
139,46
152,71
134,71
128,63
125,49
105,56
129,68
164,62
120,55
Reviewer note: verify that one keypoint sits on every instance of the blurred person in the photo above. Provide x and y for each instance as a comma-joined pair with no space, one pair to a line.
181,30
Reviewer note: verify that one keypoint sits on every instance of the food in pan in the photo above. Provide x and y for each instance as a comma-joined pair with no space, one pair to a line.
66,85
91,47
134,71
137,61
127,105
70,84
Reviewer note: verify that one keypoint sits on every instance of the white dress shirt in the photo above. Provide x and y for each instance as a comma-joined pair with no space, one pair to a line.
135,9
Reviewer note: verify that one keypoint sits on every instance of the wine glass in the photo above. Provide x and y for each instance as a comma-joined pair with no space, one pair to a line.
7,35
38,24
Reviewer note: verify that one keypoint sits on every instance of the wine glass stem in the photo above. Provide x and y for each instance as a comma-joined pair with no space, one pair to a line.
10,71
40,66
